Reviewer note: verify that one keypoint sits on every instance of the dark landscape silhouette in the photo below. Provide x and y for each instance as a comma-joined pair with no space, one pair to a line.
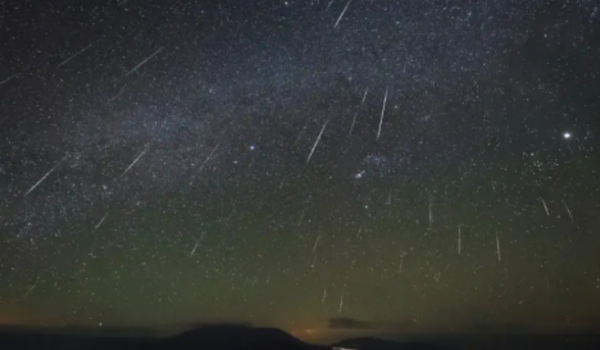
246,337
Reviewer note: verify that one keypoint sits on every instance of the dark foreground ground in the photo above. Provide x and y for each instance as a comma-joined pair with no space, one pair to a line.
246,338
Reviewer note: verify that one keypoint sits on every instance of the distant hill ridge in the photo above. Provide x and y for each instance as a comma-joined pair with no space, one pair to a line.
235,337
221,337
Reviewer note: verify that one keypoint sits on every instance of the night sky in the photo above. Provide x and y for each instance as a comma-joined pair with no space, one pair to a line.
310,165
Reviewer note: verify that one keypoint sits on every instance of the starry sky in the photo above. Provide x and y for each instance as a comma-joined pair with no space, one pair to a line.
313,165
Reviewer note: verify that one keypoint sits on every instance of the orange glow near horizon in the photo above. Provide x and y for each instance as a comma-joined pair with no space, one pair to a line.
307,334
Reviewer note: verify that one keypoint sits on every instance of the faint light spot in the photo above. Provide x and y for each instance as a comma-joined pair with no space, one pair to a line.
359,175
252,147
100,324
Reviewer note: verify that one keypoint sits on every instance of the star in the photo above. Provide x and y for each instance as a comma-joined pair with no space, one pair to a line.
359,175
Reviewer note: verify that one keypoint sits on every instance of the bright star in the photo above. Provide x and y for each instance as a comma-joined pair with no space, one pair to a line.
567,135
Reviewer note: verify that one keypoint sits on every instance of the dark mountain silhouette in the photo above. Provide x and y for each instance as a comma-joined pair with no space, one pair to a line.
241,337
221,337
234,337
